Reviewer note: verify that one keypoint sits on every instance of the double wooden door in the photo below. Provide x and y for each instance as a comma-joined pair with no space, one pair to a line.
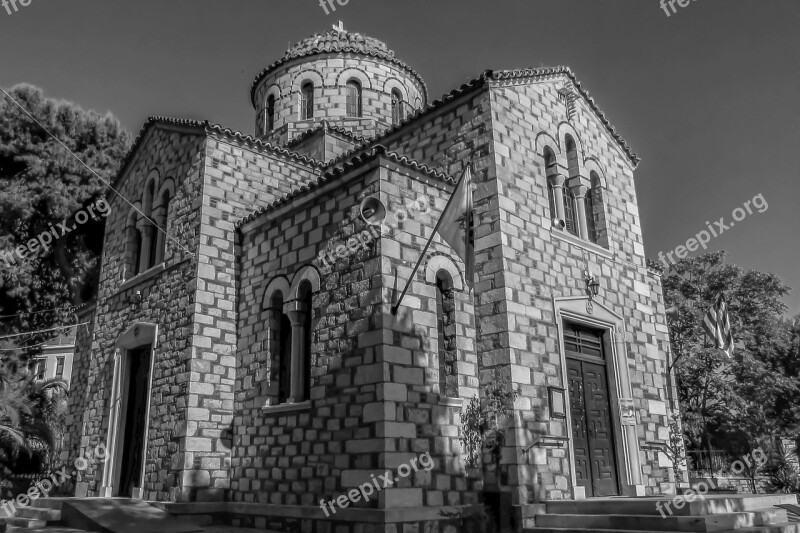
590,410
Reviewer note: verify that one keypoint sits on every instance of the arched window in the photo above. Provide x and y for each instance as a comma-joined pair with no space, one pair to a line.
572,156
569,211
398,113
353,98
307,101
149,247
163,222
304,297
591,208
446,326
570,203
133,248
550,167
280,347
270,112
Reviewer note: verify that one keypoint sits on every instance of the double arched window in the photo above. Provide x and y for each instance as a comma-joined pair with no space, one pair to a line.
572,196
398,113
307,101
354,108
147,228
290,329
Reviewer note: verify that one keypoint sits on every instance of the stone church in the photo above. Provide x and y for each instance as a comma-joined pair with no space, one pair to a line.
243,364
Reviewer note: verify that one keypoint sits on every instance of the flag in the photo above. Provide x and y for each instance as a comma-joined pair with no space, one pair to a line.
456,224
718,325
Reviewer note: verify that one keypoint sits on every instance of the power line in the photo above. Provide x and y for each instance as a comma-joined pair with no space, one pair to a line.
24,347
90,169
42,331
74,307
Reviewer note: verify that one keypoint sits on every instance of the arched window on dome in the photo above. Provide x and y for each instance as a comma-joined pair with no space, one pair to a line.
398,113
307,101
270,112
354,108
446,326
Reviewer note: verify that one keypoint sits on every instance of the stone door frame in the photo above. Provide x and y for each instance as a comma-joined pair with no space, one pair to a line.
137,335
582,310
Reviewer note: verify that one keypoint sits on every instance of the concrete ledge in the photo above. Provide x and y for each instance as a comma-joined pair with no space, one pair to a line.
577,241
285,407
143,276
451,402
377,516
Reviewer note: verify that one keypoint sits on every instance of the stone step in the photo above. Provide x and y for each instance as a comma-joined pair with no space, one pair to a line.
710,504
703,523
20,522
788,527
776,528
234,529
40,513
49,503
48,529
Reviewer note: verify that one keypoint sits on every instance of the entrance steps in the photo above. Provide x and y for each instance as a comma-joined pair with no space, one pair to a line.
718,513
102,515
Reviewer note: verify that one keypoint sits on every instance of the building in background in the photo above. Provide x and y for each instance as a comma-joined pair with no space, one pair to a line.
55,361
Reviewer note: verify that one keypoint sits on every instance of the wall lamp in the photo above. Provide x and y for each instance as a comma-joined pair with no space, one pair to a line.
592,285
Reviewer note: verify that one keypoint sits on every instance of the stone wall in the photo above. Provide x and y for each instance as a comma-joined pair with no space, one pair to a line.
522,266
540,266
192,299
374,402
166,298
240,177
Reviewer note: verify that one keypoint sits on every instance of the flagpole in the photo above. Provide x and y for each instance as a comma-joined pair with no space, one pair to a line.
396,306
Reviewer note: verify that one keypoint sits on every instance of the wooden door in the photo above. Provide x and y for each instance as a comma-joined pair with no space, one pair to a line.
133,451
590,410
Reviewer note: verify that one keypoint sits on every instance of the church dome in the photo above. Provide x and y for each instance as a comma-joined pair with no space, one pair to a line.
336,76
340,41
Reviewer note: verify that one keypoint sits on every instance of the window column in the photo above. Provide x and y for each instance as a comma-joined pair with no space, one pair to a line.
148,234
296,311
579,191
556,181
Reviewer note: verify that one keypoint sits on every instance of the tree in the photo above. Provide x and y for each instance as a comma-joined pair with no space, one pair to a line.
42,184
735,404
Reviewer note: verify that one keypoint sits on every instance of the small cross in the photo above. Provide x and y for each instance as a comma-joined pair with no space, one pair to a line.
340,27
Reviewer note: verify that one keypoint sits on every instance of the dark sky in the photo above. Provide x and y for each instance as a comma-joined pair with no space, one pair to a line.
708,97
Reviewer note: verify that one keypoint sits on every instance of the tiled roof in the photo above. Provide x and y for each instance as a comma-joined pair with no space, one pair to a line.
335,41
204,127
148,124
215,129
353,159
326,125
503,75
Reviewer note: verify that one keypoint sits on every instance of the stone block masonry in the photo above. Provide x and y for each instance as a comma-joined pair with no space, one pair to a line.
192,301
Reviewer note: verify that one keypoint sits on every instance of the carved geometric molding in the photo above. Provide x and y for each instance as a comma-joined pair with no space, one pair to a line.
568,95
